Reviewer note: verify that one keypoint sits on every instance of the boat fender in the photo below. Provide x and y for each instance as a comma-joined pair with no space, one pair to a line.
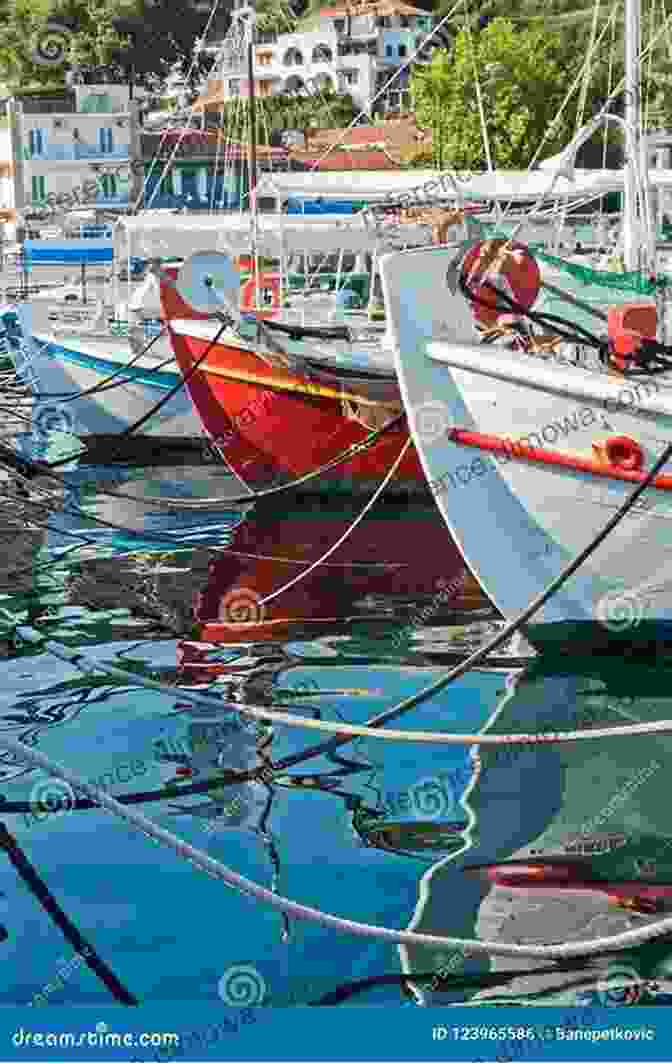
508,266
623,452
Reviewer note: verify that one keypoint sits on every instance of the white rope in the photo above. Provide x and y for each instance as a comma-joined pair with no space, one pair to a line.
89,666
479,98
295,910
348,531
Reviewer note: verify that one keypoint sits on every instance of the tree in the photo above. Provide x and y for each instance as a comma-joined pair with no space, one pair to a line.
523,75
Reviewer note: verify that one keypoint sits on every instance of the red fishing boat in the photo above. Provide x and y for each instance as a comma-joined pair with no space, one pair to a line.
287,390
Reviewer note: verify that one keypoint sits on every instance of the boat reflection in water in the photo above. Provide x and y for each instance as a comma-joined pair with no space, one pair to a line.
566,843
397,558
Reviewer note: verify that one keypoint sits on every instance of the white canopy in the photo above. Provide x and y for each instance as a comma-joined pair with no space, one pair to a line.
417,186
370,185
180,236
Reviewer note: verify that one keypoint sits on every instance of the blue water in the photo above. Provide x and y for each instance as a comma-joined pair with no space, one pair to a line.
378,833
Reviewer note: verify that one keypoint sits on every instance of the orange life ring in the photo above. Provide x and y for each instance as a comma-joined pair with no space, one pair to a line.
266,281
624,452
500,261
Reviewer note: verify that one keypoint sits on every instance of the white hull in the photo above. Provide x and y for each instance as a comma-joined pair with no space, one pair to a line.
68,364
519,524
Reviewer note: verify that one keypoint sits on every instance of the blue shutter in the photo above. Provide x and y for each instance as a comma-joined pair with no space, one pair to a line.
105,140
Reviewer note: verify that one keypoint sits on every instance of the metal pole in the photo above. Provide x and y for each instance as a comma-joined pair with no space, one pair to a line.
15,122
632,118
136,179
252,175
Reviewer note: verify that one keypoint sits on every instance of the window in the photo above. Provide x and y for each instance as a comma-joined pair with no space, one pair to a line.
351,77
405,21
39,189
293,57
388,51
402,51
322,54
234,87
108,184
339,25
36,141
105,140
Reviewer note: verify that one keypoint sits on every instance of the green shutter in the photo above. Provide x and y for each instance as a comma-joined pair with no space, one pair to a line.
39,189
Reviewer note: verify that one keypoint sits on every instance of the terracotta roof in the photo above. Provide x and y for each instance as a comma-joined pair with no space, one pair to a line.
382,7
394,137
345,160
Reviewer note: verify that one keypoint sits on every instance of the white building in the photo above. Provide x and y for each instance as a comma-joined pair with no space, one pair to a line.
352,50
65,144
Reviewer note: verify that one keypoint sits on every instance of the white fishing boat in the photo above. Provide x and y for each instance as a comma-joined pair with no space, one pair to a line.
529,454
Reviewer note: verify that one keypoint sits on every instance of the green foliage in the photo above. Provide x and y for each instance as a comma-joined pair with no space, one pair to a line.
278,113
523,76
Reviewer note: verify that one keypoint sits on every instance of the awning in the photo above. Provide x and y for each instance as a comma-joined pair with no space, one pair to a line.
179,236
71,252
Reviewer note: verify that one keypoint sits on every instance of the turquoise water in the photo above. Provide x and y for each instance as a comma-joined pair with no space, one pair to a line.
379,831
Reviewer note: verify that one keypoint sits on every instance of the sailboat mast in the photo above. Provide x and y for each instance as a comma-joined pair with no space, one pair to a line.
631,230
252,177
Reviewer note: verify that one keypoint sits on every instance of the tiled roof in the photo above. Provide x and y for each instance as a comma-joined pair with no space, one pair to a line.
395,137
382,7
345,160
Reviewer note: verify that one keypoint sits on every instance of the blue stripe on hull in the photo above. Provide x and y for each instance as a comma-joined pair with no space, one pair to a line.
159,379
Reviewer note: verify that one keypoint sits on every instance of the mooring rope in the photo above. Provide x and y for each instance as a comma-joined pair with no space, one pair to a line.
344,731
293,909
46,470
348,531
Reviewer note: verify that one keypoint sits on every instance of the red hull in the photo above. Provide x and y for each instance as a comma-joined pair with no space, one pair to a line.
270,432
269,435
